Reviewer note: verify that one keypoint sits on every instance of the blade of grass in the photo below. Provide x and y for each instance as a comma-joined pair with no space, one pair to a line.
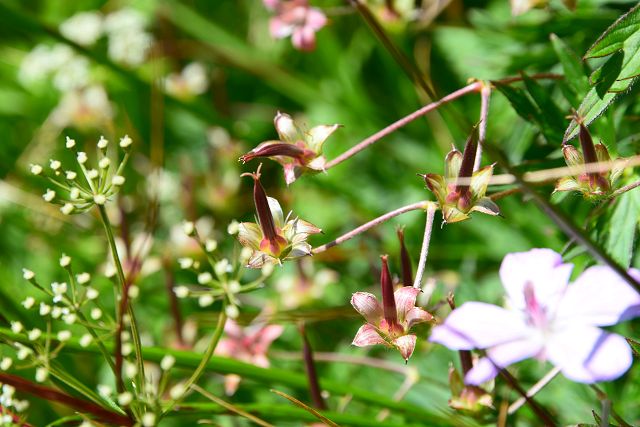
231,407
309,409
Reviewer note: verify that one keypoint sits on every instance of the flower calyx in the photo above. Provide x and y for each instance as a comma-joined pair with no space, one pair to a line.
298,150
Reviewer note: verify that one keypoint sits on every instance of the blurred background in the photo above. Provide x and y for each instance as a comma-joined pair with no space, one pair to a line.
197,83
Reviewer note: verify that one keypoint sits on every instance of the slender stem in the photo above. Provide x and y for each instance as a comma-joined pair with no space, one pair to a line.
624,189
535,407
119,314
173,301
232,408
53,395
538,76
501,194
473,87
215,338
603,396
312,374
534,389
485,97
364,227
424,252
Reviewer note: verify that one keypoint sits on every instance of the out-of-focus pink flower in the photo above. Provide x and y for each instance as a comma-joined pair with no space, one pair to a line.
296,18
547,319
390,323
249,344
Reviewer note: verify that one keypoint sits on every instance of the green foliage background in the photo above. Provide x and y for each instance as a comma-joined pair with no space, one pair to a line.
350,79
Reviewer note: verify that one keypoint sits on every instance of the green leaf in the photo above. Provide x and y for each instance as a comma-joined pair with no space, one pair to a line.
623,228
617,74
575,70
553,118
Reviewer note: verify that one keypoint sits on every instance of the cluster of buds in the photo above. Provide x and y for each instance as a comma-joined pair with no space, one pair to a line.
77,192
299,149
461,190
295,18
468,399
389,324
224,281
594,185
10,406
274,238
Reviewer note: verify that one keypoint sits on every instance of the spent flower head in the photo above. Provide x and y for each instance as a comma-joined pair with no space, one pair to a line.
458,198
298,150
273,239
547,318
389,324
593,185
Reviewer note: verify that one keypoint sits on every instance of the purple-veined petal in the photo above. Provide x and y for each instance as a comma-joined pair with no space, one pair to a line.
417,315
259,259
405,300
437,185
452,214
588,354
502,356
452,163
599,297
367,335
486,206
285,126
250,235
368,306
317,135
405,344
572,156
543,268
567,184
299,250
480,325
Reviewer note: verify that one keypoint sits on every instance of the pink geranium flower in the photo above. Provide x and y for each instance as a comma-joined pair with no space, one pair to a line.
390,323
248,345
547,318
296,18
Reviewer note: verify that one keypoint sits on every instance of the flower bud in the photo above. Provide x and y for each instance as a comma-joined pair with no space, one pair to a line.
35,169
70,143
102,143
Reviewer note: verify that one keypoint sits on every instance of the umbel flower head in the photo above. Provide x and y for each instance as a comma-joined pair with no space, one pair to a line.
273,239
78,192
461,191
390,323
592,185
547,318
296,18
299,149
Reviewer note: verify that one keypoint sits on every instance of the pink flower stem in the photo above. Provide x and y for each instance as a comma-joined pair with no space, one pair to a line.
485,96
424,252
624,189
473,87
364,227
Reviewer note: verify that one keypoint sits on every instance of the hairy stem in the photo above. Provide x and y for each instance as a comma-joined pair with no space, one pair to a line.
424,252
473,87
364,227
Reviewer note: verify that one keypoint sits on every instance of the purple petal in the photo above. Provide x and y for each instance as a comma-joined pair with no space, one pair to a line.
405,300
599,297
502,356
543,268
366,336
588,354
480,325
405,344
417,315
367,305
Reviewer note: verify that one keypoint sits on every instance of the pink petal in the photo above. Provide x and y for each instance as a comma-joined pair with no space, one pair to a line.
367,335
315,19
231,383
480,325
304,38
543,268
265,336
271,4
261,361
290,174
502,356
417,315
280,29
405,344
588,354
405,300
599,297
367,305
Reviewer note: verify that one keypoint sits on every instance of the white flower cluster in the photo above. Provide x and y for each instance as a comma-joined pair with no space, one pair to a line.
94,186
224,282
11,406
